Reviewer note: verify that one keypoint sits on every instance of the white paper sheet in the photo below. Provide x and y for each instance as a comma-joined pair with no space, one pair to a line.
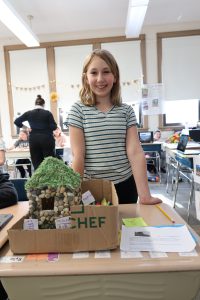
158,239
131,254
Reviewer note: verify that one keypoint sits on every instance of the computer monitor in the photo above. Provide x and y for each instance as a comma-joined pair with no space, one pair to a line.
146,136
195,135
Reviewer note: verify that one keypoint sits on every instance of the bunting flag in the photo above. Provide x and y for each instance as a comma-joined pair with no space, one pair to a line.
132,82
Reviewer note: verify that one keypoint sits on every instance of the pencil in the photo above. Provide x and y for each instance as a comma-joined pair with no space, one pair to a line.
164,213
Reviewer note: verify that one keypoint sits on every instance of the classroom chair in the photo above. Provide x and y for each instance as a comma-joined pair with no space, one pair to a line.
19,184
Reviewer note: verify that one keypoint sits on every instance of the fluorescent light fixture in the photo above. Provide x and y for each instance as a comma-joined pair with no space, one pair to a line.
11,19
135,17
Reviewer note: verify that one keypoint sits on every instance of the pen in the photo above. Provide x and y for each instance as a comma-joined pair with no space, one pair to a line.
164,213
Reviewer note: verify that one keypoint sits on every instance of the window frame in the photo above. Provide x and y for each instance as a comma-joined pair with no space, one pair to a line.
165,124
160,36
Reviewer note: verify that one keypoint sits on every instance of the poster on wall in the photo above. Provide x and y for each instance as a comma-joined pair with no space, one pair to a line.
152,99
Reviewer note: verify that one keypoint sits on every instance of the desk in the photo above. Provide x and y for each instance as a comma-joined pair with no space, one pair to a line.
65,154
18,210
154,151
11,158
156,146
185,161
174,277
16,154
177,160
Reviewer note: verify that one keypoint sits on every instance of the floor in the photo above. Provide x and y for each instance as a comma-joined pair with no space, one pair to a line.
159,189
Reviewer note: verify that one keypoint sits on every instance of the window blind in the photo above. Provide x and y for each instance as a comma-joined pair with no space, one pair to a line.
181,67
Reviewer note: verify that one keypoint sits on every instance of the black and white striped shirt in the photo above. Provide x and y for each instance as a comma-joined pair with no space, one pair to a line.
105,140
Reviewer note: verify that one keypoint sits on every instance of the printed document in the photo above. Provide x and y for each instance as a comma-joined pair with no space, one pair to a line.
162,239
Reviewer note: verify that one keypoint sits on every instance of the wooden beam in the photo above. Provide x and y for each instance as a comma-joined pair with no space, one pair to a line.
50,54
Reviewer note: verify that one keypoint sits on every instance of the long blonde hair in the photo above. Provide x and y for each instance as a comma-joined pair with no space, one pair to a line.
86,95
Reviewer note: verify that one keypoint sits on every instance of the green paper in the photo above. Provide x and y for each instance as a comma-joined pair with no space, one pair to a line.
133,222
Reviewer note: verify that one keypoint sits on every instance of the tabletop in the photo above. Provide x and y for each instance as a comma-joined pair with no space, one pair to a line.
18,210
114,263
17,153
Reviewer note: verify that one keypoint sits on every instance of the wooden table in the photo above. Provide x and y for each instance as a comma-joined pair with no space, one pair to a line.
172,277
18,210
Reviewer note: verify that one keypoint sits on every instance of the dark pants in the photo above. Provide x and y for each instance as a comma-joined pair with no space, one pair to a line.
21,168
127,191
41,146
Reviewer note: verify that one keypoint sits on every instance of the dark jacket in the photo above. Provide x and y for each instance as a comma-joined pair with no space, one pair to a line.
40,121
8,193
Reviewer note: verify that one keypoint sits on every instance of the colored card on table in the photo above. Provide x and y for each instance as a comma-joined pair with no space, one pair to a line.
132,222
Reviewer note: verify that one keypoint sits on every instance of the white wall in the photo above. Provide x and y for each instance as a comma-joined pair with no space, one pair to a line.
151,55
4,109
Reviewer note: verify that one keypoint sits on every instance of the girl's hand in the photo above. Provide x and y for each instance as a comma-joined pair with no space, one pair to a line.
150,201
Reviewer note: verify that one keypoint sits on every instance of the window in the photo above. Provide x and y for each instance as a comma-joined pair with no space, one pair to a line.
182,112
178,70
68,67
29,77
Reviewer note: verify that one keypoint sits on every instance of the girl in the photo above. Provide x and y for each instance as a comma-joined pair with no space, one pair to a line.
23,143
103,132
60,137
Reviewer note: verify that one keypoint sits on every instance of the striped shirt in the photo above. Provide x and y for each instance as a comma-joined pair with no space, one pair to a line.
105,140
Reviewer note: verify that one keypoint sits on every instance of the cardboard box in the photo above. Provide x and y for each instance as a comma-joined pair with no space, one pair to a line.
93,227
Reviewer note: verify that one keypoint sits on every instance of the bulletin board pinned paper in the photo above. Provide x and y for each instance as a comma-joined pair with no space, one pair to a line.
152,99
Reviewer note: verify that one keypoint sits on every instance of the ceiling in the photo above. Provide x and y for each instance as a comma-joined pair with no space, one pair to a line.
66,16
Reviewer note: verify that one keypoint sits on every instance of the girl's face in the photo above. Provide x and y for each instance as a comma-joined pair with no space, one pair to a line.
100,78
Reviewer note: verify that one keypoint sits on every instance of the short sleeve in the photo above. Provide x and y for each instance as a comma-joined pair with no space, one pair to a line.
131,117
75,116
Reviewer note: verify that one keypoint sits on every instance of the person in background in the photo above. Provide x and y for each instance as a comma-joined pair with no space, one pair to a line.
2,155
8,193
103,132
22,143
157,137
42,125
60,137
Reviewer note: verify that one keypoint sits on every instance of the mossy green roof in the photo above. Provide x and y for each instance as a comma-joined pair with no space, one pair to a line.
53,172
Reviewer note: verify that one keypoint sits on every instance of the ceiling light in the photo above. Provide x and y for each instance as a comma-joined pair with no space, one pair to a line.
135,17
11,19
